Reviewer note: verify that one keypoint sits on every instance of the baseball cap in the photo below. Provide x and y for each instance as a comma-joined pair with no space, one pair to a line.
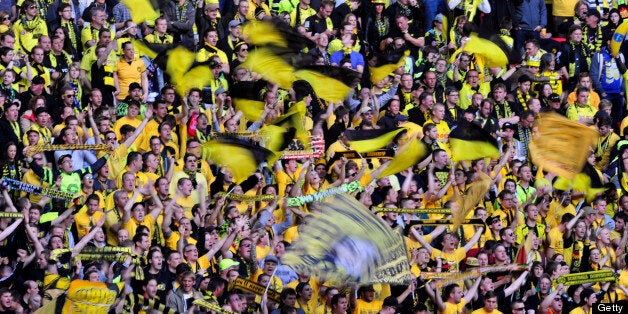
272,258
234,23
439,18
38,80
509,125
554,97
134,85
40,110
588,210
226,263
594,12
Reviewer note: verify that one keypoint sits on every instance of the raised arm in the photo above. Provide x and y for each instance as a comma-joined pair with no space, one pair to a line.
64,215
165,226
147,116
88,237
472,290
474,239
517,284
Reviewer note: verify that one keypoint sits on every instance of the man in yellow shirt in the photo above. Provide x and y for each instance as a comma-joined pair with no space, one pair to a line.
86,220
454,302
130,69
581,111
30,27
490,305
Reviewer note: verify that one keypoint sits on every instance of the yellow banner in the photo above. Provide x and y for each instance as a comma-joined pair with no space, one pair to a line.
255,288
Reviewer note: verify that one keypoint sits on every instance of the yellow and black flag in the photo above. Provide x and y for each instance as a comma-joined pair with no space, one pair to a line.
246,98
240,156
388,65
184,72
408,155
468,141
363,141
329,82
275,32
368,251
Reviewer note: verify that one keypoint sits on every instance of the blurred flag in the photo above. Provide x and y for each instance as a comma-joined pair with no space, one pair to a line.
368,251
560,145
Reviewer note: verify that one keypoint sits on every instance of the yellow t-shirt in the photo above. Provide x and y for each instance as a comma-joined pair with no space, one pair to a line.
129,73
85,222
451,308
363,307
451,259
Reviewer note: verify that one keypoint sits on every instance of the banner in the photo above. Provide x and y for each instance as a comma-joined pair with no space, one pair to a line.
346,243
586,277
135,298
438,222
211,306
247,198
255,288
36,189
350,187
445,211
32,150
11,215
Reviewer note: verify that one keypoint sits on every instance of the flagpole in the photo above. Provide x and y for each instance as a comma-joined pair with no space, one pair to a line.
271,280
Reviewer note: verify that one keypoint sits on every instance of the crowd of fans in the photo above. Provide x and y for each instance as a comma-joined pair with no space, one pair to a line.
73,74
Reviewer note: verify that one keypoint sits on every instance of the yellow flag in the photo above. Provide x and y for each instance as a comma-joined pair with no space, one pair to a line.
560,145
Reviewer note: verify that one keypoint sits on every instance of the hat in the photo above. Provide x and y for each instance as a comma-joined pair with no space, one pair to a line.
212,6
226,263
271,258
588,210
134,86
213,64
220,90
490,220
554,97
594,12
365,110
472,262
39,111
60,160
533,63
524,78
258,12
234,23
401,118
31,131
38,80
374,2
509,125
439,18
391,301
